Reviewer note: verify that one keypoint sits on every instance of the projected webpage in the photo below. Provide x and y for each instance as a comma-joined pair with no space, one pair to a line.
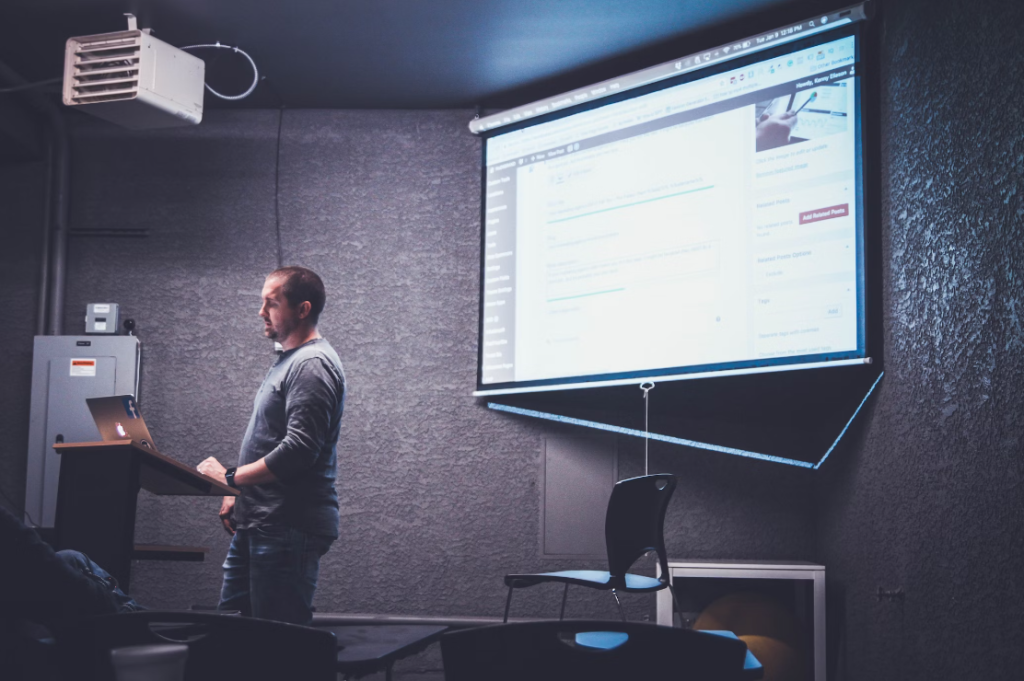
705,224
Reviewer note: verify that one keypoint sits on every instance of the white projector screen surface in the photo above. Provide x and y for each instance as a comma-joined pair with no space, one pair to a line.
709,225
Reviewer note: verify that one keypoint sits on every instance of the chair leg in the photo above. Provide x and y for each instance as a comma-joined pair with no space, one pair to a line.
675,600
565,594
622,613
508,604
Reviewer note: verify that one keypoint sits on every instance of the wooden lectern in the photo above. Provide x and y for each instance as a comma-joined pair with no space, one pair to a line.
98,493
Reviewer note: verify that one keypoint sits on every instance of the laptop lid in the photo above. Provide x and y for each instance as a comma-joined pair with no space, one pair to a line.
119,418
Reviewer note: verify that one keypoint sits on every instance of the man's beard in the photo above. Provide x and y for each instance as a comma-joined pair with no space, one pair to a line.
277,332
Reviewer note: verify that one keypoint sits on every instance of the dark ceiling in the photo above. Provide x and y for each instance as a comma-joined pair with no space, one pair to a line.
404,54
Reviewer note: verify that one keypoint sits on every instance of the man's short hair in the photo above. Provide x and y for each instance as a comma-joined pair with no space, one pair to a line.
301,285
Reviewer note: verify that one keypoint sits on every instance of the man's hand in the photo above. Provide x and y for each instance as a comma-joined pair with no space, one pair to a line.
227,514
212,468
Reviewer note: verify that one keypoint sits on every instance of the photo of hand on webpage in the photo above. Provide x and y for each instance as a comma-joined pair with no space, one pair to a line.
802,116
775,123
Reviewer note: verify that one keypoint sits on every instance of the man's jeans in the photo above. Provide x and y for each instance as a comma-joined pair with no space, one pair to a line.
271,572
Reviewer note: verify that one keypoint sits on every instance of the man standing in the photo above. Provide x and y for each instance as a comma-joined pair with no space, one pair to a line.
286,514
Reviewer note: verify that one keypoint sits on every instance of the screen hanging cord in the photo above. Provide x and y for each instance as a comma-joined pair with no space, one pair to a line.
646,387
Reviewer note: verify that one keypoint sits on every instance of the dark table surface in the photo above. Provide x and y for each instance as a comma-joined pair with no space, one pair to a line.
368,648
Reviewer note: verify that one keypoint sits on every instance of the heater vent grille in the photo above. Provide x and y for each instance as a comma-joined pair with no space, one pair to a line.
105,69
133,80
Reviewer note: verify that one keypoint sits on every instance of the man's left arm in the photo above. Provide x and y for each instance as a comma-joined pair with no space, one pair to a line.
311,399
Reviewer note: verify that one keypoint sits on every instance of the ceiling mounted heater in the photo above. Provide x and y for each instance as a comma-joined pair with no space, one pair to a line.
134,80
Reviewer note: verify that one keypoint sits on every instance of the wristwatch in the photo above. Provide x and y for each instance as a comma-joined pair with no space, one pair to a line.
229,476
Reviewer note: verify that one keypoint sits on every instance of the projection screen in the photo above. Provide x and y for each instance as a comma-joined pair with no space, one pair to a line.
702,217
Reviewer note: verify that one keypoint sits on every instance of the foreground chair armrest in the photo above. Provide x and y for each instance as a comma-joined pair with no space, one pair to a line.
220,646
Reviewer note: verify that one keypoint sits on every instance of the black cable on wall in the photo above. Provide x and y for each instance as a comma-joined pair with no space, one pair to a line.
277,188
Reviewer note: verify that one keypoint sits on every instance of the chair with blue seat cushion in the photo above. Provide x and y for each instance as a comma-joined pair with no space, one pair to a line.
633,526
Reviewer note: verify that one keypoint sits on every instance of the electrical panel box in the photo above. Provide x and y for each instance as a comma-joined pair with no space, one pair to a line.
66,370
101,318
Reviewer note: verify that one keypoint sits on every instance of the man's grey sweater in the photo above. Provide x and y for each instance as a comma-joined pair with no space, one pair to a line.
294,429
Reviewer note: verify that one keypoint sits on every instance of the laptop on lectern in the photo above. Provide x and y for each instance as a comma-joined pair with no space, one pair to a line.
119,418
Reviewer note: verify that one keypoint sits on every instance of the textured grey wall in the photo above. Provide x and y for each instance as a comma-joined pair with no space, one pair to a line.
440,496
21,225
928,495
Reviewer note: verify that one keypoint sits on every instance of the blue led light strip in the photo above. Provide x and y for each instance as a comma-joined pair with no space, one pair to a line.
847,426
653,436
682,441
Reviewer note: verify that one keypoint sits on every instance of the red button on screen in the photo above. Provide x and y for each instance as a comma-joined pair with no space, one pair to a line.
828,213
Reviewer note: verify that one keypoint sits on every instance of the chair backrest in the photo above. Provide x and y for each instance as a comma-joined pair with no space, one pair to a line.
634,523
547,650
220,646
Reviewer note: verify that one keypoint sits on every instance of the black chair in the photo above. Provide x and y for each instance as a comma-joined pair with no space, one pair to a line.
559,651
219,646
633,526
